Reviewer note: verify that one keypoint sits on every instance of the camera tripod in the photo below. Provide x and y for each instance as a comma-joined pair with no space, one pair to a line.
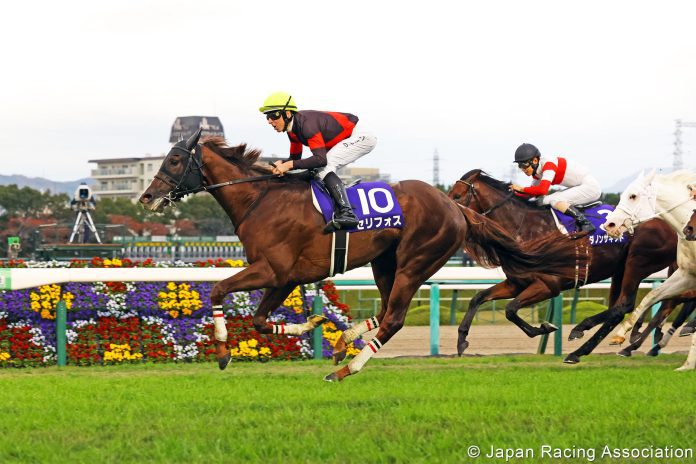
83,222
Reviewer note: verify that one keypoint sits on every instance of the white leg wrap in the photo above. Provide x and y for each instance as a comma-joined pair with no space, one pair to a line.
291,329
690,362
365,354
360,328
666,337
219,321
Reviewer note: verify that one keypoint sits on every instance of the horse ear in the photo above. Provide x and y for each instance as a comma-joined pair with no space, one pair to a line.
193,140
650,176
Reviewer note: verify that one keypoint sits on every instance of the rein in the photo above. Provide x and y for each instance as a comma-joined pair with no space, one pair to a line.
206,188
194,157
635,220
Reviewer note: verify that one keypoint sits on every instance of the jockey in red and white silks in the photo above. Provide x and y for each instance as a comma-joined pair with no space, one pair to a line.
582,187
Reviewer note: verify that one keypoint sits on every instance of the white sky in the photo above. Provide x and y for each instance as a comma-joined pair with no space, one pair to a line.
597,81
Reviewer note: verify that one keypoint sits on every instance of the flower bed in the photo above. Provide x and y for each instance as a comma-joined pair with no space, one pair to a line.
117,322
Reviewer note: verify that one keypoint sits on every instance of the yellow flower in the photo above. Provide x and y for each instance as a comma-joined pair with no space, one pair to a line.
174,314
171,286
253,343
107,262
116,262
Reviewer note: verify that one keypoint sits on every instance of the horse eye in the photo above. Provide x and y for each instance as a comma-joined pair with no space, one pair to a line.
174,161
457,196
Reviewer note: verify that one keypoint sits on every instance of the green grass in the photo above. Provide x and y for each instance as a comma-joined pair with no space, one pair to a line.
396,410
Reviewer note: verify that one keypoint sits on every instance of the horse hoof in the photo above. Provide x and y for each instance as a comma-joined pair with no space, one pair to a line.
684,368
575,334
686,331
316,320
461,347
338,356
617,340
547,327
625,353
654,351
572,359
224,361
339,375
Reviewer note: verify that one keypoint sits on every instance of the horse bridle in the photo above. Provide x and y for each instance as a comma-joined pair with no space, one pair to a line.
471,193
192,179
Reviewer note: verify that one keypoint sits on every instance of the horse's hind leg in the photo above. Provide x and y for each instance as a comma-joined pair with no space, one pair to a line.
383,270
537,291
685,312
677,283
499,291
655,323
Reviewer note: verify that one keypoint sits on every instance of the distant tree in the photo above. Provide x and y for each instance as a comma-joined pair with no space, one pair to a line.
611,198
207,214
29,203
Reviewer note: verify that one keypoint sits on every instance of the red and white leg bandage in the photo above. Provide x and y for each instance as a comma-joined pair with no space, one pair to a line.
365,354
360,328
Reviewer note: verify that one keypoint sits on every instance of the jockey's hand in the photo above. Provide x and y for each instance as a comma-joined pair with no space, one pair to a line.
516,188
282,167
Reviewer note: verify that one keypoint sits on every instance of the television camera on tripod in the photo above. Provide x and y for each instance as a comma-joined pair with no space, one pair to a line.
83,201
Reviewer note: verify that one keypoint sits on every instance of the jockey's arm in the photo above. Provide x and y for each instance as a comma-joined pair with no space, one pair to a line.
318,159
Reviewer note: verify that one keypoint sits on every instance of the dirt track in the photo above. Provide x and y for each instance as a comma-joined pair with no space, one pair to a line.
499,339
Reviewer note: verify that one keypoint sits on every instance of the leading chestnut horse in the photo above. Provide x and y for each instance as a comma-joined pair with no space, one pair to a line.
652,248
282,234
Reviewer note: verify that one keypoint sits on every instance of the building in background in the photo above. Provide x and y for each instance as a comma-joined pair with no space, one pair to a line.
185,126
123,177
350,174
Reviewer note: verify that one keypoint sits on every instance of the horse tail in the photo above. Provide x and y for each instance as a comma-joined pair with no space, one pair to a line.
490,245
486,242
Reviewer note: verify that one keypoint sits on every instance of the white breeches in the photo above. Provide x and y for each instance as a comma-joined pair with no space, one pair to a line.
347,151
587,192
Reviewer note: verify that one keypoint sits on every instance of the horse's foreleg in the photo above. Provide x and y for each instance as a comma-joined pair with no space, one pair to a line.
685,312
499,291
677,283
257,275
690,363
271,299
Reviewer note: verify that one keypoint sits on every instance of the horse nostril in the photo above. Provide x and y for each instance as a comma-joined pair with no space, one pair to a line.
688,230
145,198
610,225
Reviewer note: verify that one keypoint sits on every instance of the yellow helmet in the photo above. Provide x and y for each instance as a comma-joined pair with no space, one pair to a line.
279,101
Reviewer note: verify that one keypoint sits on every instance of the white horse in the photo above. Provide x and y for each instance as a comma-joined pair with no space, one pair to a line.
667,197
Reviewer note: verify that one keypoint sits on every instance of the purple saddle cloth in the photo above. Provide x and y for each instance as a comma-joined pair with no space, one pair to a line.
596,215
374,204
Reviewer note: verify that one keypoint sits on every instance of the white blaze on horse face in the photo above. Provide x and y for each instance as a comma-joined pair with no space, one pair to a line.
634,207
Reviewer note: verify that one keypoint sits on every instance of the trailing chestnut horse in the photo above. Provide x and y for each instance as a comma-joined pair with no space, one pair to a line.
282,234
652,248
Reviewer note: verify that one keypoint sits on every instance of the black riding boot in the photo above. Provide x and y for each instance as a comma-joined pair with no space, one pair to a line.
344,218
580,220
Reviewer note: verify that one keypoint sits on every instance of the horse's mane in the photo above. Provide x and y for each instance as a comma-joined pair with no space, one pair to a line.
239,155
503,187
681,176
491,245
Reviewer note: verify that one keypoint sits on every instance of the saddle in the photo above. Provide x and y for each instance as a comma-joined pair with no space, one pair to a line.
596,212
